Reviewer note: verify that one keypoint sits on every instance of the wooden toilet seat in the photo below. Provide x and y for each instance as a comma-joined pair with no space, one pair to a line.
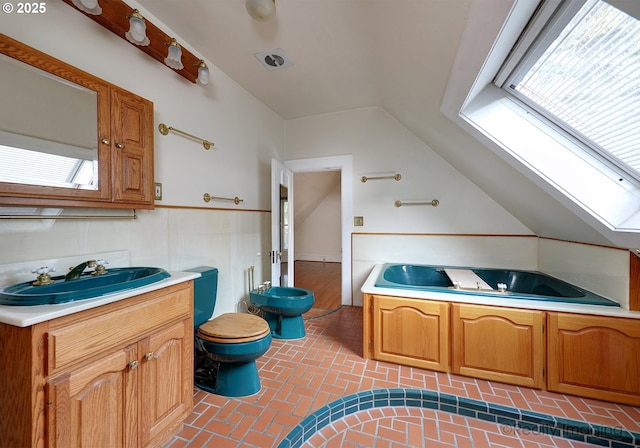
233,328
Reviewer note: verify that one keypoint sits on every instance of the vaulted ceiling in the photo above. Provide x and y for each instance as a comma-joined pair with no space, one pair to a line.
346,54
349,54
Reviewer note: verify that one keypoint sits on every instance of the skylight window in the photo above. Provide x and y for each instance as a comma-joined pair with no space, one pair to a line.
581,70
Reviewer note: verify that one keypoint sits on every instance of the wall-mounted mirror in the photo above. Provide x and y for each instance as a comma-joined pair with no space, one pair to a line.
48,129
68,138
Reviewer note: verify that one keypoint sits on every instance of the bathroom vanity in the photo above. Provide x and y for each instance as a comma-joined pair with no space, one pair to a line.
116,374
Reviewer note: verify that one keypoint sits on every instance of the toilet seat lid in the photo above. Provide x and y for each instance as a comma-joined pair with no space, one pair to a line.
234,327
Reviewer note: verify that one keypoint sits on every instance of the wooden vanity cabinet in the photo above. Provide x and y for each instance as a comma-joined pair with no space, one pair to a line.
410,332
117,375
500,344
132,149
594,356
92,404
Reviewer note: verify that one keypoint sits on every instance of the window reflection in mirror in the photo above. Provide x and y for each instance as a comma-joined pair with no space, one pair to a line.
48,129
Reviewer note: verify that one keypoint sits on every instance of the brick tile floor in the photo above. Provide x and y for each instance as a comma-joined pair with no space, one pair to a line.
300,376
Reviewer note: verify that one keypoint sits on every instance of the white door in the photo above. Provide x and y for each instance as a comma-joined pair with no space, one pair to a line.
281,225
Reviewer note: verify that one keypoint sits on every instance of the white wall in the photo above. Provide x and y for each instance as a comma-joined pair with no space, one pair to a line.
599,269
603,270
455,232
517,252
317,218
379,144
246,135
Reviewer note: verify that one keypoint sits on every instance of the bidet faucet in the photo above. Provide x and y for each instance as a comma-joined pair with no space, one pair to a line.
75,272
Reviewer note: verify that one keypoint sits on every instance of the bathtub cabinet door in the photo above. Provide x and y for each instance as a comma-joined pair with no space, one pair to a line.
499,344
594,356
411,332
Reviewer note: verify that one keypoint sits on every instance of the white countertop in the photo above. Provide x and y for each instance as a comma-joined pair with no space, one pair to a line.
24,316
370,288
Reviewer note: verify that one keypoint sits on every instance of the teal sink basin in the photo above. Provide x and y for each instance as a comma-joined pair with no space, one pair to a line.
87,286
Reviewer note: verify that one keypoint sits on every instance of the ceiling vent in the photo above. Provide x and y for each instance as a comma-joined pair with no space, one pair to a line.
274,59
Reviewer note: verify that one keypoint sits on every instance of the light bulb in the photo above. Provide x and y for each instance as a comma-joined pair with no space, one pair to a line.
89,6
137,33
203,73
261,9
174,56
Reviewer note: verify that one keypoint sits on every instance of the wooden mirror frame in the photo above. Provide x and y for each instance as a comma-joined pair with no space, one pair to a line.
24,194
125,177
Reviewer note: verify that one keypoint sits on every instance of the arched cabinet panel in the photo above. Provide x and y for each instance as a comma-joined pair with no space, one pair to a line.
500,344
595,356
411,332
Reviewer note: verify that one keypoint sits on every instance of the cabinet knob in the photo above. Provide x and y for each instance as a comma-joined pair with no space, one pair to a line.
120,145
148,355
133,364
105,141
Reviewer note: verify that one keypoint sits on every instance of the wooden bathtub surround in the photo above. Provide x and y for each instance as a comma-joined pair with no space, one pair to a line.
576,348
409,330
590,356
499,344
117,375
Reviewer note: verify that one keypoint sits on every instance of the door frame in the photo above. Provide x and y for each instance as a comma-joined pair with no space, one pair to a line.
281,176
344,164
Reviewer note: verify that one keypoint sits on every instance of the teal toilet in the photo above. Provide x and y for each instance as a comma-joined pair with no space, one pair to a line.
226,347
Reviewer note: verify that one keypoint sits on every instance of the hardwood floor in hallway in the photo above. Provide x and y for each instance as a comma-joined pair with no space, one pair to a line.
324,279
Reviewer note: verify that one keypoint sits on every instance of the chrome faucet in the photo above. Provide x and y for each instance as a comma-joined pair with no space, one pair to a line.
77,271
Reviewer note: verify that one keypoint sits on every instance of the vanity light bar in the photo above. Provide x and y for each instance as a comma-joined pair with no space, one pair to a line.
115,17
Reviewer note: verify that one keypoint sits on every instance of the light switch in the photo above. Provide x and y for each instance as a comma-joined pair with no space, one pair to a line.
358,221
158,191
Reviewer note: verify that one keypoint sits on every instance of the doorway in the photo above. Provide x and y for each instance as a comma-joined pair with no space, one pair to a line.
317,236
343,164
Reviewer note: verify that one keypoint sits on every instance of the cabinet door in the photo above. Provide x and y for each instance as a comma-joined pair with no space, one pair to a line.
411,331
500,344
595,356
166,388
132,139
95,405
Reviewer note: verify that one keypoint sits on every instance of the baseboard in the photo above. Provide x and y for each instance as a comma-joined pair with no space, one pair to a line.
319,257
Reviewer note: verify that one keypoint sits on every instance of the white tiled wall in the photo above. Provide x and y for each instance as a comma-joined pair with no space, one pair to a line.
518,252
173,239
602,270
